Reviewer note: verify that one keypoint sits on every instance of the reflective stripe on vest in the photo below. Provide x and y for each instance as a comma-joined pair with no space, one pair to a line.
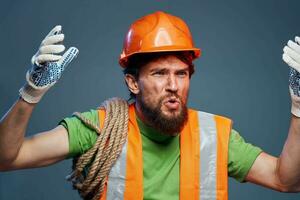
203,160
208,159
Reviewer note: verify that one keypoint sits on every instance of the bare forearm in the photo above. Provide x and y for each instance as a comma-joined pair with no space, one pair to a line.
289,161
12,129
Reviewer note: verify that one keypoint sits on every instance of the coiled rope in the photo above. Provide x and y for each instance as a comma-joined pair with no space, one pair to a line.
102,156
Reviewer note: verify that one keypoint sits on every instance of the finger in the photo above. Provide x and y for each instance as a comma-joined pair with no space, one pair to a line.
47,58
293,54
286,58
56,30
297,39
294,46
50,49
54,39
292,92
68,56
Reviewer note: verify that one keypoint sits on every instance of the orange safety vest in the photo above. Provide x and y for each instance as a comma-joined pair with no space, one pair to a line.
203,160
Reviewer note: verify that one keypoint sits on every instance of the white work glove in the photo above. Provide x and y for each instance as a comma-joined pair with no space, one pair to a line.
291,56
47,66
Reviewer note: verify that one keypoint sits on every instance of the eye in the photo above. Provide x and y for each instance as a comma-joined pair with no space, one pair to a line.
182,73
159,73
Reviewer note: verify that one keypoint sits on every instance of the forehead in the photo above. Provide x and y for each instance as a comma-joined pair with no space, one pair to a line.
165,62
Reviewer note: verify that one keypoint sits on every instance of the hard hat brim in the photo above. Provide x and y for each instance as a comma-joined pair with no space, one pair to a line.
196,52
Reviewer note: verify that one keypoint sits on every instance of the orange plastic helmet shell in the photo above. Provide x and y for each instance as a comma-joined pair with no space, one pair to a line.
157,32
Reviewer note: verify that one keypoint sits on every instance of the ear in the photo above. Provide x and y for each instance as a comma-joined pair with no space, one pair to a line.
132,83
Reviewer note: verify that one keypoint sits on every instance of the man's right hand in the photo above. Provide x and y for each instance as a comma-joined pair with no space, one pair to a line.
47,66
17,151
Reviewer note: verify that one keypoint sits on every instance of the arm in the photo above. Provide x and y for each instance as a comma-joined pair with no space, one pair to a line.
17,152
12,130
289,161
283,173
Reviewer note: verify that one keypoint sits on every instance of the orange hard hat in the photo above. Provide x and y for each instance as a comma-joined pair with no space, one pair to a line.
157,32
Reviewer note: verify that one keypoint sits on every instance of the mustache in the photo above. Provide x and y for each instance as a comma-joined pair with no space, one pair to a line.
170,95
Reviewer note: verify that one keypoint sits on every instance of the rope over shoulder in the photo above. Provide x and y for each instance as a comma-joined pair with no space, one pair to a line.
107,148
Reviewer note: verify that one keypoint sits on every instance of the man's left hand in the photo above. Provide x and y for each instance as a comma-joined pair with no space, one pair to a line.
291,55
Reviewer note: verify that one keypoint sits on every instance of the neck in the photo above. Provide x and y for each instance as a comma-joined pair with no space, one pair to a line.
140,114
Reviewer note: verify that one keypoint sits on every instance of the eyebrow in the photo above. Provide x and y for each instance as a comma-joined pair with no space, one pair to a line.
165,69
158,69
185,69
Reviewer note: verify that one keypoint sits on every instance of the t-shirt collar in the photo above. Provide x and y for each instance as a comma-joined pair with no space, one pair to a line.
152,133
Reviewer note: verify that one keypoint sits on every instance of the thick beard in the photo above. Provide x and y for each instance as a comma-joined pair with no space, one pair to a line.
170,126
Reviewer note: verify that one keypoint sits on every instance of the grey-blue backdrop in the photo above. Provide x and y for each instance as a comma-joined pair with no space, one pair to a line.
240,74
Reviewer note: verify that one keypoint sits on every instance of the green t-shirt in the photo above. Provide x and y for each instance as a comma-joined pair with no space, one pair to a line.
160,155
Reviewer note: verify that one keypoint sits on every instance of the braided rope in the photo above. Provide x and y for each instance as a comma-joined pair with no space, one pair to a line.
107,148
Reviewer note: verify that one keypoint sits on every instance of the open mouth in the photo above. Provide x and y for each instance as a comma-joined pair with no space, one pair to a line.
172,103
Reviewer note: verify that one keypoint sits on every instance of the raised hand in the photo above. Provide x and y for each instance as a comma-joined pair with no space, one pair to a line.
291,55
47,66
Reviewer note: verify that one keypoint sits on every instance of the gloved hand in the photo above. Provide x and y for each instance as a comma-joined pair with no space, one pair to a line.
291,56
47,66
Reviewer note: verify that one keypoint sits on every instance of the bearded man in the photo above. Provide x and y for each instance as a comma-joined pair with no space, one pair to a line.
153,147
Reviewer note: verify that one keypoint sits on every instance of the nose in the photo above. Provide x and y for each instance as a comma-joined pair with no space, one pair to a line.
172,85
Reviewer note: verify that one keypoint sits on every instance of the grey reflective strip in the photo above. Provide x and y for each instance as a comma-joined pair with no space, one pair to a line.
116,177
208,156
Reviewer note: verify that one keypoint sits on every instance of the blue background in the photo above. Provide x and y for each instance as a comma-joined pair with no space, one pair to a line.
240,73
